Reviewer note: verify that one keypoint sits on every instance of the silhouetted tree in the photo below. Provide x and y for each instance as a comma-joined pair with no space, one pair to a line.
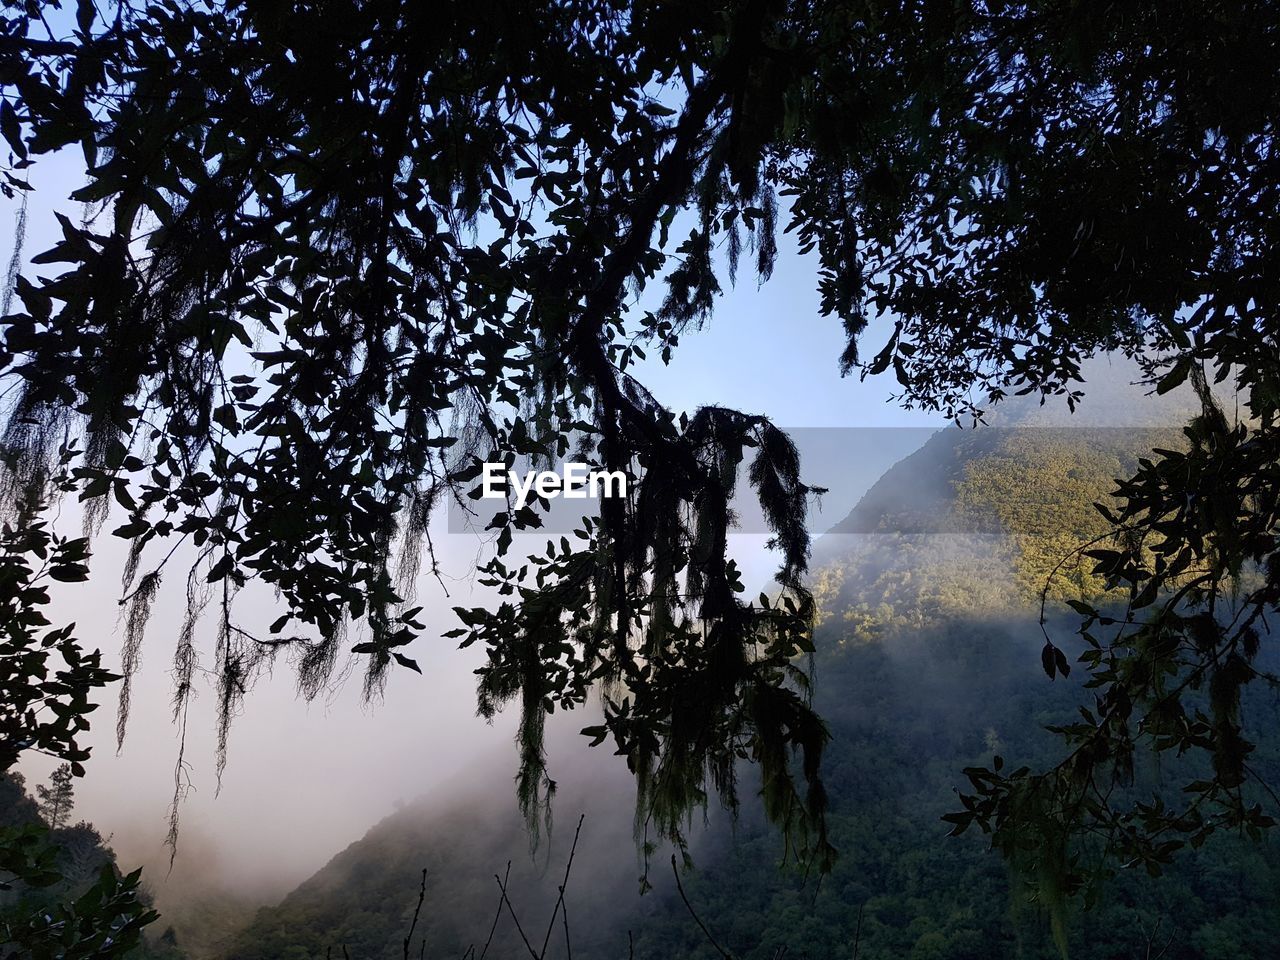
58,798
338,253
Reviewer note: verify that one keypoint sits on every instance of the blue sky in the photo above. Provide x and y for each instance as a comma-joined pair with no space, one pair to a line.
767,350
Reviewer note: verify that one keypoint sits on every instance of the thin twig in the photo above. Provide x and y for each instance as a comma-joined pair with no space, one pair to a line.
497,914
564,883
512,911
693,913
422,895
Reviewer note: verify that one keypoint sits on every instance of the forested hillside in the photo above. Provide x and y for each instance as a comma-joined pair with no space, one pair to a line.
927,662
365,898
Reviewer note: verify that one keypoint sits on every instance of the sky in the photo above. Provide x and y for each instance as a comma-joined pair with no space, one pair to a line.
306,779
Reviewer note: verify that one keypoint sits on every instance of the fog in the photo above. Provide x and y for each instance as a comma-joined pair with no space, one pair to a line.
304,779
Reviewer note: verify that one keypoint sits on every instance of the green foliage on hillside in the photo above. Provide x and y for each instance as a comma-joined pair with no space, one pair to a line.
1040,484
929,601
906,715
976,522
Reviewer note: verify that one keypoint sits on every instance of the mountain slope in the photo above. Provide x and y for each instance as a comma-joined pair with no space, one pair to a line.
462,835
